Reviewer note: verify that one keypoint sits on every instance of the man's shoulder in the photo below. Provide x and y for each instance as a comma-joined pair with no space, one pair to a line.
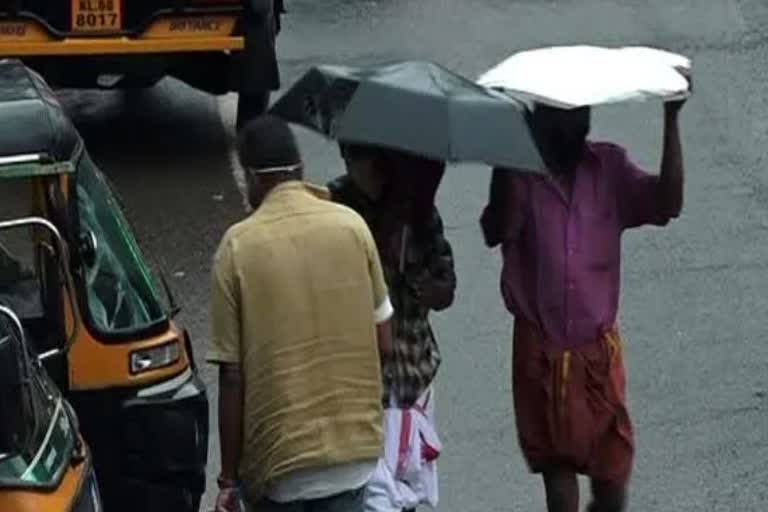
320,204
339,217
345,215
318,191
236,232
613,161
607,150
323,211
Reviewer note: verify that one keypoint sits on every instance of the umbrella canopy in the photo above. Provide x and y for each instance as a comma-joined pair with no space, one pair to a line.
576,76
413,106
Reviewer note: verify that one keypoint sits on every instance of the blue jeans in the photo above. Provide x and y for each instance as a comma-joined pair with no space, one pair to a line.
350,501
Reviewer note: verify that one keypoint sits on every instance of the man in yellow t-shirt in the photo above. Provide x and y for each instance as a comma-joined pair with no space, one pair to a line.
300,326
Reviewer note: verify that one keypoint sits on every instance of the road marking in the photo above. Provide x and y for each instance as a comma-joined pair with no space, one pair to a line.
228,114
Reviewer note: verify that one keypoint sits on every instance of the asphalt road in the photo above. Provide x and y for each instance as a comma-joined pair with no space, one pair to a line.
693,300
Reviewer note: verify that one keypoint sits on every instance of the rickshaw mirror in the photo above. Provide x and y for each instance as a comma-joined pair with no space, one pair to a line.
88,247
175,309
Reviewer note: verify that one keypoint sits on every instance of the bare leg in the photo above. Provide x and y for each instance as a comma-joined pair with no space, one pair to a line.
562,489
608,497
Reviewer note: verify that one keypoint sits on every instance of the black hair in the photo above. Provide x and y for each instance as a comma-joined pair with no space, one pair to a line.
267,141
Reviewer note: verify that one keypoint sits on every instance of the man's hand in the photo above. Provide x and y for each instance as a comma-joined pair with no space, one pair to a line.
434,294
228,500
673,108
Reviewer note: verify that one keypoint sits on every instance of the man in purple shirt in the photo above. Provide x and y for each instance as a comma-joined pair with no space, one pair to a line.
560,237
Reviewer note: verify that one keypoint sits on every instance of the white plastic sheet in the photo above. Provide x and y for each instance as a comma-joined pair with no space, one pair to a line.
575,76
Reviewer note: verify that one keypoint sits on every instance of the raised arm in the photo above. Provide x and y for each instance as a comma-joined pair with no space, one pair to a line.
671,179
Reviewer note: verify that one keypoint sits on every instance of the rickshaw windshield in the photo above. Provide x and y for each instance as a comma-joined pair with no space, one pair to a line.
36,437
122,297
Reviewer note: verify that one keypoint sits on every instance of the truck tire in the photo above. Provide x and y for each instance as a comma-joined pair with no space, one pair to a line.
259,72
251,106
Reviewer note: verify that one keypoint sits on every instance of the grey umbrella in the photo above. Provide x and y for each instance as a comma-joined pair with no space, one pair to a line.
413,106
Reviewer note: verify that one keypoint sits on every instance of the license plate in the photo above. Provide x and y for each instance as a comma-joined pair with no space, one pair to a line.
96,15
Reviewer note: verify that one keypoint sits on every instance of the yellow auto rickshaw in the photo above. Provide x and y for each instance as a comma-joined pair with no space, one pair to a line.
128,369
44,463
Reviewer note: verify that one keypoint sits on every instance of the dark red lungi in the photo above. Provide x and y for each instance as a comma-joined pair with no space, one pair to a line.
570,406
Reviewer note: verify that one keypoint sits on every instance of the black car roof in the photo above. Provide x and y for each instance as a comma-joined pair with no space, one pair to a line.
32,120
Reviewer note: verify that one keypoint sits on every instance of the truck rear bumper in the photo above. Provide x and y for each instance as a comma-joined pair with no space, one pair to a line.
119,46
216,71
216,53
27,37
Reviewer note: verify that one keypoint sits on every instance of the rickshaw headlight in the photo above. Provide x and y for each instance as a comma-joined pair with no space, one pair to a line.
155,357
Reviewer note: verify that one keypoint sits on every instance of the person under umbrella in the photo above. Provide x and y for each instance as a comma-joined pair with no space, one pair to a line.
560,237
395,193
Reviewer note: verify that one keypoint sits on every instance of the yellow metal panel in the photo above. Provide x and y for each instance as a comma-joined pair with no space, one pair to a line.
119,45
14,32
94,365
59,500
190,27
165,35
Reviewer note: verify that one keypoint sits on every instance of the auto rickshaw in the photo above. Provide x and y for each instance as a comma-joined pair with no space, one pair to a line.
129,370
44,463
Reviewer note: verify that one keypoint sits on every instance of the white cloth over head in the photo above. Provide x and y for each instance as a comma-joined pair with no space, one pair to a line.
582,75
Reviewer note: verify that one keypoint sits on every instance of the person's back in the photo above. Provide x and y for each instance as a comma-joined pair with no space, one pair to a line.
301,289
311,367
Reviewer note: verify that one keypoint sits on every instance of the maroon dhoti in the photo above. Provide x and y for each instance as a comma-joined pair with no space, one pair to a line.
569,405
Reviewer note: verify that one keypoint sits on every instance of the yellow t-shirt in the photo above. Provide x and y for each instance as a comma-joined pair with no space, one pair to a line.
294,290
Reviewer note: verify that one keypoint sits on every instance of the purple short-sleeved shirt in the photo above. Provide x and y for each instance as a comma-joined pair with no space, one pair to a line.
562,256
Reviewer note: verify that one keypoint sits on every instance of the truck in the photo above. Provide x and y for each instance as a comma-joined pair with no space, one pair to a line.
217,46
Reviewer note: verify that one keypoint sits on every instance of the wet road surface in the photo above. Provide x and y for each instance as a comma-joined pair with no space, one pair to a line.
694,294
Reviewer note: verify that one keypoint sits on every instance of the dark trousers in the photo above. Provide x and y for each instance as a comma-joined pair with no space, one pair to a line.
350,501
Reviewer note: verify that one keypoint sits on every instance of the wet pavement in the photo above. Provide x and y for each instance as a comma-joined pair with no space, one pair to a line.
693,300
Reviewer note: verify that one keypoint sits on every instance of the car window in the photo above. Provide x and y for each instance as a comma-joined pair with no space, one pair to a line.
122,296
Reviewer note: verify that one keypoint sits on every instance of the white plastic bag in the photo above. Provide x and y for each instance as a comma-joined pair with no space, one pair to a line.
576,76
406,476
